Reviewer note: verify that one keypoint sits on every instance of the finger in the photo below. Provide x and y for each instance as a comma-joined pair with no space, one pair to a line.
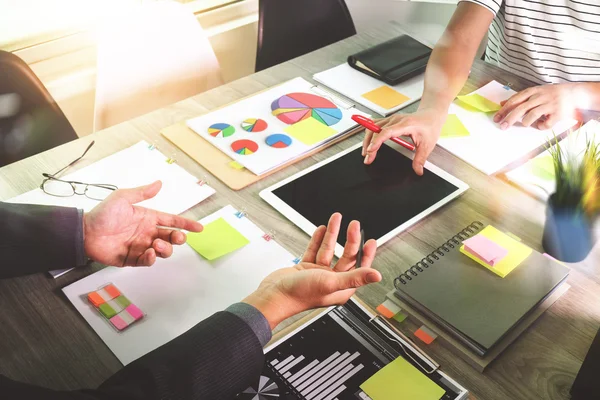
401,129
147,259
310,255
510,104
327,248
139,194
369,251
172,236
338,298
356,278
348,259
366,141
548,122
162,248
422,152
518,112
175,221
534,115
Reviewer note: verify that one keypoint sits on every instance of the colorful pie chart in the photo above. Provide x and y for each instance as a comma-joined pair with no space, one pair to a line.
221,130
244,147
254,125
279,141
295,107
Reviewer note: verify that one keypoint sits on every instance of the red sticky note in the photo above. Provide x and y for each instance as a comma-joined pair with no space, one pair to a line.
485,249
384,311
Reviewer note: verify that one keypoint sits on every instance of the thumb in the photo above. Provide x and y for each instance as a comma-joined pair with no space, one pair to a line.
356,278
139,194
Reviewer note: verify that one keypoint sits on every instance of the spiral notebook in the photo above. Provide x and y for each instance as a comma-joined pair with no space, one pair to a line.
471,303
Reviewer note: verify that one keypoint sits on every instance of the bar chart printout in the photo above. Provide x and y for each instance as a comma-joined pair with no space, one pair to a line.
326,360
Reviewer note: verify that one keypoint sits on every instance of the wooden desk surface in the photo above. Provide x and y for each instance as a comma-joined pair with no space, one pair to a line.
44,340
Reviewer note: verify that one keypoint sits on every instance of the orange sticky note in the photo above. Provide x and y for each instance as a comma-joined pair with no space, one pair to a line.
95,299
112,291
426,335
388,309
386,97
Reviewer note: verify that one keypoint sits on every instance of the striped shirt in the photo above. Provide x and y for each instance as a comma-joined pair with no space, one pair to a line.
545,41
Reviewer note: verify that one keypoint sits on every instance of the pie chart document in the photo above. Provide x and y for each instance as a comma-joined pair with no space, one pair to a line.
276,126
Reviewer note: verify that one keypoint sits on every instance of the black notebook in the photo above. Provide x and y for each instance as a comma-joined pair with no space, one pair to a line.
394,61
470,302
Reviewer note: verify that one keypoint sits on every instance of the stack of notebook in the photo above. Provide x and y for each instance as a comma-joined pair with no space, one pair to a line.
475,305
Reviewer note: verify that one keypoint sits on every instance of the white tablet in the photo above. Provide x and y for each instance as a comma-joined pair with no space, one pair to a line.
387,197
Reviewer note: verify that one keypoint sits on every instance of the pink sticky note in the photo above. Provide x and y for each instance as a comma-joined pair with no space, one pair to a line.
485,249
118,322
135,312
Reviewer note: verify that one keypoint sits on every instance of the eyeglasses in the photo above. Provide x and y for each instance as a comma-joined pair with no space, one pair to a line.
60,188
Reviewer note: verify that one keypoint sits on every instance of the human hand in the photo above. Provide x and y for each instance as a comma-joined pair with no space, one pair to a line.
313,283
423,127
116,232
540,106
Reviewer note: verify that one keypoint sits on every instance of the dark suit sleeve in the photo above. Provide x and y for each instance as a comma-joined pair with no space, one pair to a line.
217,359
39,238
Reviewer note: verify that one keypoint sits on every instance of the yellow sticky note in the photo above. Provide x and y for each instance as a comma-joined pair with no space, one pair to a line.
310,131
236,165
517,252
400,380
453,127
543,167
479,102
386,97
216,240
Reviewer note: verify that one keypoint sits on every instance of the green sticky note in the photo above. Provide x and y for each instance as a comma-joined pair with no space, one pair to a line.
479,102
310,131
236,165
400,317
122,301
216,240
107,310
543,167
453,127
400,380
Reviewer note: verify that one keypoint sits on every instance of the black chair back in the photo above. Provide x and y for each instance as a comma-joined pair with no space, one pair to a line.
290,28
30,120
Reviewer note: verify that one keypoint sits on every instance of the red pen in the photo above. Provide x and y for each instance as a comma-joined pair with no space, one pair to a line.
371,125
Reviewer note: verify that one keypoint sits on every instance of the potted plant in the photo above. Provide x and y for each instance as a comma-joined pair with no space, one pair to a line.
568,234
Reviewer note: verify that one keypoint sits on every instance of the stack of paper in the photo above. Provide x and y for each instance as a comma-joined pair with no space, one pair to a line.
537,176
179,292
479,141
370,92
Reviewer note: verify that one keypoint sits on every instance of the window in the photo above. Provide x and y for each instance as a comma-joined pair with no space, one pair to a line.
24,23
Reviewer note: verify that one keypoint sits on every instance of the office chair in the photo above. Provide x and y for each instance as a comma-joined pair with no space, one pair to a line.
30,120
290,28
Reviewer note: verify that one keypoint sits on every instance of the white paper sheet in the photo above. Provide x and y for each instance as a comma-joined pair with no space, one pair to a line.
179,292
259,106
490,149
543,185
135,166
353,84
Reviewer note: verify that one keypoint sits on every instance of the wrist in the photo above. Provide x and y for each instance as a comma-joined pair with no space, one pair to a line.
269,306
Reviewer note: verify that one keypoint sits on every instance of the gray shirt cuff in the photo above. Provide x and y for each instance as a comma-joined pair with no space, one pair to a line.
255,320
80,258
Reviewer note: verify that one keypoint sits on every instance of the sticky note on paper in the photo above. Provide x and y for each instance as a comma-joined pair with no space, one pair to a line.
453,127
479,102
517,252
310,131
426,335
236,165
401,380
543,167
386,97
484,249
216,240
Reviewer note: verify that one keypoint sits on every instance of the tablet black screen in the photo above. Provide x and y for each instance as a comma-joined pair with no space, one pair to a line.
382,196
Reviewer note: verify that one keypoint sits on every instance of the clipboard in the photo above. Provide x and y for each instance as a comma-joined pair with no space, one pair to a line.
218,163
